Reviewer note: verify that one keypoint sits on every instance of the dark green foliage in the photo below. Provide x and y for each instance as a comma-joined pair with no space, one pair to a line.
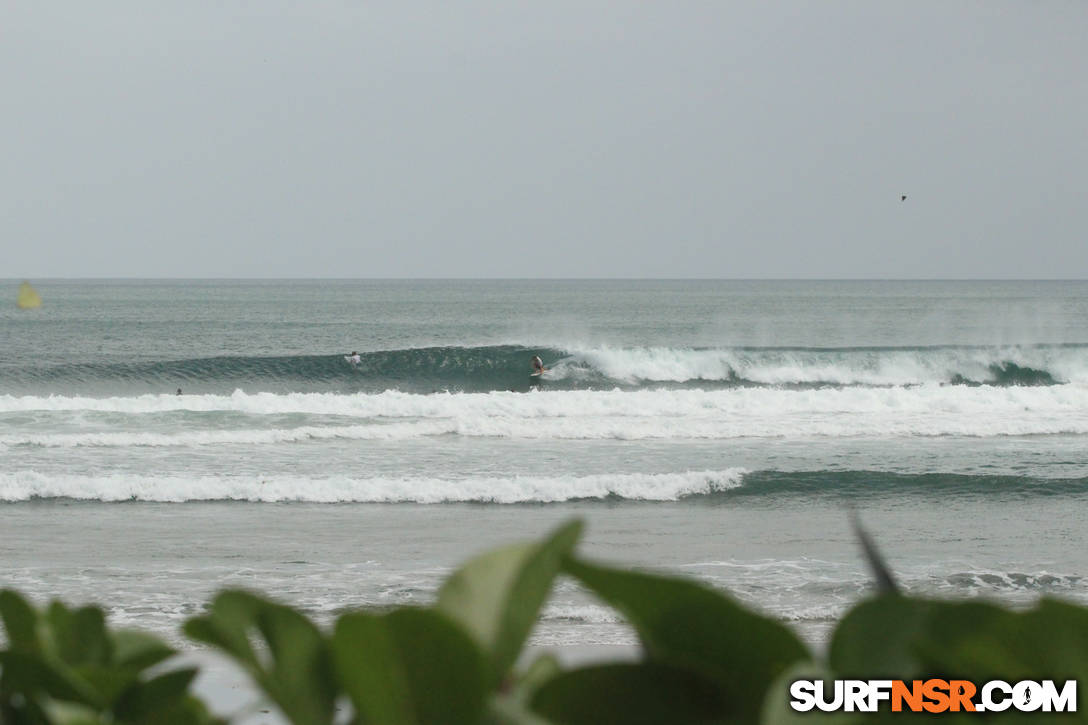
631,694
681,621
704,658
907,638
497,596
65,666
411,666
877,638
283,651
893,636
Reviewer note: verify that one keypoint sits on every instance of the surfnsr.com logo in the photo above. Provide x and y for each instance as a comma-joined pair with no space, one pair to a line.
933,696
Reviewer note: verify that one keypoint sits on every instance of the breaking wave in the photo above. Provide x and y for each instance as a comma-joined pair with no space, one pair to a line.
647,487
506,367
257,418
710,487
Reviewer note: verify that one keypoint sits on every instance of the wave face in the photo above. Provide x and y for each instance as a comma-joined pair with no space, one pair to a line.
506,367
710,487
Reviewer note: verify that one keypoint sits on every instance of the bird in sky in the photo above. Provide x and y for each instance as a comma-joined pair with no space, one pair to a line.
903,197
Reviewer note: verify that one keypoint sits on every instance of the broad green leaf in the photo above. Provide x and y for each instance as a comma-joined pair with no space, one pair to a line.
138,649
297,672
79,635
301,679
142,702
899,637
1053,638
20,622
631,694
540,670
412,666
972,640
188,711
107,681
30,674
511,705
984,641
682,621
228,627
879,639
498,595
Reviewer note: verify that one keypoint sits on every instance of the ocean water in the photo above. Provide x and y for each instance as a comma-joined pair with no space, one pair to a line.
719,429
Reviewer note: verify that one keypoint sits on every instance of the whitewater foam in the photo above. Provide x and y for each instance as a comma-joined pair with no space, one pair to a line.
27,485
931,410
849,366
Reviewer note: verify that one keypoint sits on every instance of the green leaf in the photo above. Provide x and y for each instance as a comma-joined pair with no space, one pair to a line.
228,627
108,682
138,649
498,595
20,622
30,675
143,701
189,711
973,640
682,621
511,705
878,639
301,679
631,694
412,666
296,674
1053,639
900,638
79,635
540,670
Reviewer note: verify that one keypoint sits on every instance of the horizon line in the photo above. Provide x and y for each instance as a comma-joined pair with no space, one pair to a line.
544,279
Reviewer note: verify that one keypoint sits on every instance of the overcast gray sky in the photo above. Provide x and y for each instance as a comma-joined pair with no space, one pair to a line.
546,139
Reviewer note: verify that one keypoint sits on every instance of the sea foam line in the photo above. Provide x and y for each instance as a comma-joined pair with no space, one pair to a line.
576,403
720,414
27,485
588,428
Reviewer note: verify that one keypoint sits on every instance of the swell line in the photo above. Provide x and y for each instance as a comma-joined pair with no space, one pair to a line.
506,367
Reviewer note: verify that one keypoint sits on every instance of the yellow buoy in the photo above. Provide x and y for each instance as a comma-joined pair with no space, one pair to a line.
28,297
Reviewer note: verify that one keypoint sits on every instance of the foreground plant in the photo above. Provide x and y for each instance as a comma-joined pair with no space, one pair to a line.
704,658
63,665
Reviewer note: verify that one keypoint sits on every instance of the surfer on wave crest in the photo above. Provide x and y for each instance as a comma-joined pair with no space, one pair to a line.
538,365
